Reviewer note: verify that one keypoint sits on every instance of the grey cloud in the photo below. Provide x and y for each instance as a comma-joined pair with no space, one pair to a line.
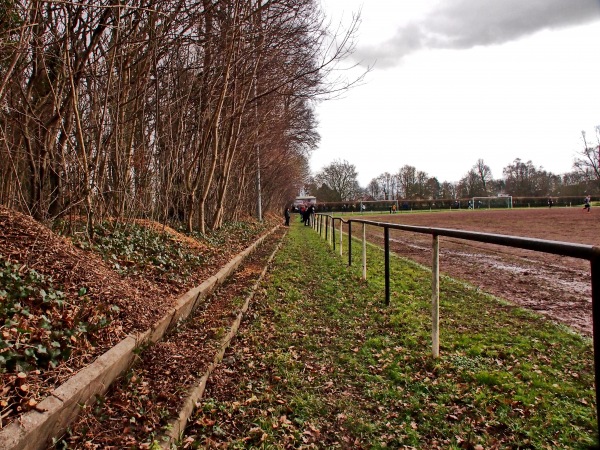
462,24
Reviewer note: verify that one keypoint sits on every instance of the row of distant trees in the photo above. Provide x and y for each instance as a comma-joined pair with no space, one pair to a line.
338,181
170,109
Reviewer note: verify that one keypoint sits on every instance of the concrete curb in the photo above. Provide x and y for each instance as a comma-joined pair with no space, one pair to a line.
177,426
34,429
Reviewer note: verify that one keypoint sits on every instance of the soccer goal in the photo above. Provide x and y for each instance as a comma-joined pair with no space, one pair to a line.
379,205
504,201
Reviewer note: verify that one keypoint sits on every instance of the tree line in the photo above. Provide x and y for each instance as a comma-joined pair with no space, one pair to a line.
186,110
337,182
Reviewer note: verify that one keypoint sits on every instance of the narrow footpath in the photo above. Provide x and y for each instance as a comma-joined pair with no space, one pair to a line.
137,410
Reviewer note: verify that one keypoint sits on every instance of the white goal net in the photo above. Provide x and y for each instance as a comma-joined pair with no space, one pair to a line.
504,201
379,205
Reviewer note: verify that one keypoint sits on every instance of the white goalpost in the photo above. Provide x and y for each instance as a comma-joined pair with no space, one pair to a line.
502,201
378,205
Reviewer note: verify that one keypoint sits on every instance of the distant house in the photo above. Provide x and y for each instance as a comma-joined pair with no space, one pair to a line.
305,200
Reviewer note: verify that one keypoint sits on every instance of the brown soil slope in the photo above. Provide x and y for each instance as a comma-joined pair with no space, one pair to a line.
132,303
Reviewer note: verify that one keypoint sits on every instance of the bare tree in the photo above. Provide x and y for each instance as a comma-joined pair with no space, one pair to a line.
407,180
485,174
374,189
448,190
384,187
433,188
588,161
421,188
341,177
524,179
470,185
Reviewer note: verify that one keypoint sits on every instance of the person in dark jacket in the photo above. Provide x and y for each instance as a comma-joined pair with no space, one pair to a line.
306,217
287,217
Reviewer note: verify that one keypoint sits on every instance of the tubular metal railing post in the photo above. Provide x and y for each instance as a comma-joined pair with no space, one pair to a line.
333,232
595,269
341,233
386,239
349,243
588,252
364,252
435,297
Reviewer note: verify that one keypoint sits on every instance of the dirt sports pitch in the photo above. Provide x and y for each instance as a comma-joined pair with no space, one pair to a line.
556,286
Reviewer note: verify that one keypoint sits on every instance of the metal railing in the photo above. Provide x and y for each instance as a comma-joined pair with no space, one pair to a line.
326,223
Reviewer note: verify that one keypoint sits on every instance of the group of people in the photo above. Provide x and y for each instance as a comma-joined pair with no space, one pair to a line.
306,214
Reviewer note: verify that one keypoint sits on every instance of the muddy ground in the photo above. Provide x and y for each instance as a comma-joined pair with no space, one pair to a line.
556,286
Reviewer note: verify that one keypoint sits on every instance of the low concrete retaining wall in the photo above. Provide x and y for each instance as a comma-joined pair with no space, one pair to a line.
35,429
194,395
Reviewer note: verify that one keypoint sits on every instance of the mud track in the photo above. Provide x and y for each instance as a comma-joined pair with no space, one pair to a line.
555,286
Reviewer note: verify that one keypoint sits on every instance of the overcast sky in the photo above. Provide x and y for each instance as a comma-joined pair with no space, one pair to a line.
458,80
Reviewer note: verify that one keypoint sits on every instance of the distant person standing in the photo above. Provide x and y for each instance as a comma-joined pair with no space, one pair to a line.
586,203
550,203
287,217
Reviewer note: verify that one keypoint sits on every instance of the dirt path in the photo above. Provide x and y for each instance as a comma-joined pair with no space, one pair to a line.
558,287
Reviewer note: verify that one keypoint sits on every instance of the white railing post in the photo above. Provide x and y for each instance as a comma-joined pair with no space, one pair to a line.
435,297
364,252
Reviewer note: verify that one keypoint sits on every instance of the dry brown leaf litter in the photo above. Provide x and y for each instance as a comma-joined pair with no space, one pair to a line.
141,302
141,403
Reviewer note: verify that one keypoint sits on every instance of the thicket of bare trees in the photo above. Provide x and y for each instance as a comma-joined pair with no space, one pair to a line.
520,179
169,109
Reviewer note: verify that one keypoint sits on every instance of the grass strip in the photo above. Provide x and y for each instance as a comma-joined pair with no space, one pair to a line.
325,363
